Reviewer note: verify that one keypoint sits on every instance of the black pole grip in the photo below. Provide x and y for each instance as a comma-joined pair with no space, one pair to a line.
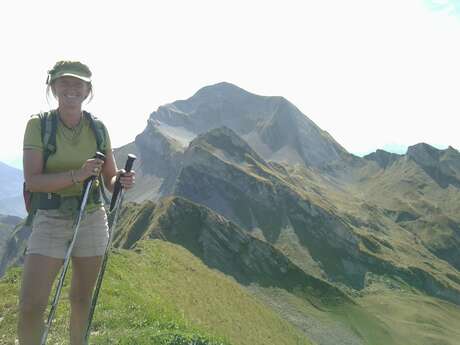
117,187
130,162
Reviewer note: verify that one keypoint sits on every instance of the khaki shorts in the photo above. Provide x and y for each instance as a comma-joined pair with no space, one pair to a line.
52,233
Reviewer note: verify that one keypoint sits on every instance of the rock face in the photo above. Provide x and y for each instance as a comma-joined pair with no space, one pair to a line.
163,152
273,126
7,226
383,158
13,253
225,174
419,191
221,245
337,216
443,166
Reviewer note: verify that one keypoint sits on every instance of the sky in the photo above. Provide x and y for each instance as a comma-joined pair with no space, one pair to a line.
374,74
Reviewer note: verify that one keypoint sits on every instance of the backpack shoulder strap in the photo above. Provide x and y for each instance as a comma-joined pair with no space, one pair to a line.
99,131
48,123
101,141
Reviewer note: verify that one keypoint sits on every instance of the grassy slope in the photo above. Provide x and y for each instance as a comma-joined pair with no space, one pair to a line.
417,319
381,237
382,316
161,294
348,323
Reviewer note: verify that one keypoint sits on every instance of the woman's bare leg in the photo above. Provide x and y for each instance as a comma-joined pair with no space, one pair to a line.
37,280
84,275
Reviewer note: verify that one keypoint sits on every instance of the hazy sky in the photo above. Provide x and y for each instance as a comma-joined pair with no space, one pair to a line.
374,74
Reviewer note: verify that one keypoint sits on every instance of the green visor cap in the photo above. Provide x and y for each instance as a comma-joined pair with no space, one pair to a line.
70,69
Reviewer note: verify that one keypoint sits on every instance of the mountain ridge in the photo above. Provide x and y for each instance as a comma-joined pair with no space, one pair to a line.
253,188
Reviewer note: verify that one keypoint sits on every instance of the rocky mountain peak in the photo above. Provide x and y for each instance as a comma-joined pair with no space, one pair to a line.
272,126
221,90
451,153
442,165
424,154
383,158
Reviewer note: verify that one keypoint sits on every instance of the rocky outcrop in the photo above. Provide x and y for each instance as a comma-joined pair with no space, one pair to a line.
159,154
224,246
383,158
443,166
14,248
7,226
230,178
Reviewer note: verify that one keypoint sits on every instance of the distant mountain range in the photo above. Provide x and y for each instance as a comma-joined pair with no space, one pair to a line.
11,201
256,190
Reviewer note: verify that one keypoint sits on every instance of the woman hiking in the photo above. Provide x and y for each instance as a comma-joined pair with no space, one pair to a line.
55,178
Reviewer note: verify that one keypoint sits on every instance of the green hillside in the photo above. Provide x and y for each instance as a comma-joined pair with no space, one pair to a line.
161,294
415,319
293,295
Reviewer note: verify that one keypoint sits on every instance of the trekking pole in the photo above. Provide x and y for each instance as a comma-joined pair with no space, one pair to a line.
117,199
86,187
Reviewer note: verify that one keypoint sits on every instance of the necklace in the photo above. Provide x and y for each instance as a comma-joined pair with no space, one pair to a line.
71,134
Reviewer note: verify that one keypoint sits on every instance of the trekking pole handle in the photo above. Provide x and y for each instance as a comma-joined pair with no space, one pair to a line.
130,162
98,155
117,188
101,156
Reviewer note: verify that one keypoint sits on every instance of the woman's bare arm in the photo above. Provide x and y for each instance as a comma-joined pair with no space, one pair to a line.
109,171
37,181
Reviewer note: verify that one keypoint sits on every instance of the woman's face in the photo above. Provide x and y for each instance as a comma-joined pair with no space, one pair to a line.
70,91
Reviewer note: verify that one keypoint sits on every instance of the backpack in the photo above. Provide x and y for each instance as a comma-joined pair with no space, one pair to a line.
49,123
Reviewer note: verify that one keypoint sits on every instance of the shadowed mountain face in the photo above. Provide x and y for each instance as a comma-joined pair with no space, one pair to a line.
383,158
267,272
220,244
338,217
7,225
443,166
272,126
420,192
324,229
12,243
